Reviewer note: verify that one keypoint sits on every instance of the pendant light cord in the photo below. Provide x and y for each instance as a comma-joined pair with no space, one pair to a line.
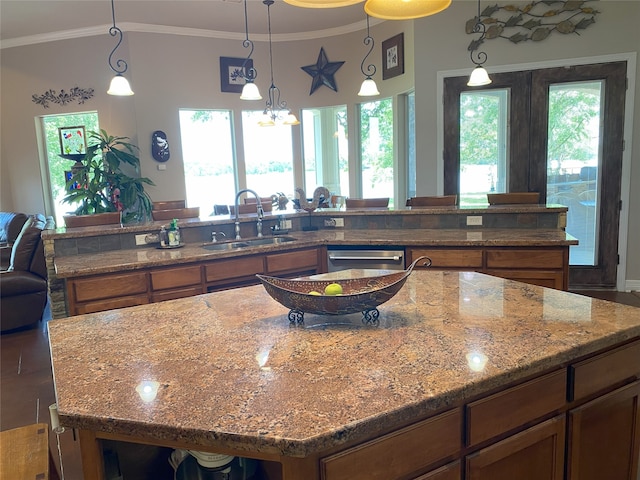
479,27
371,68
121,65
250,74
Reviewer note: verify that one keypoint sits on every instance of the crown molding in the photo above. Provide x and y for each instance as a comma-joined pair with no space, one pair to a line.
190,32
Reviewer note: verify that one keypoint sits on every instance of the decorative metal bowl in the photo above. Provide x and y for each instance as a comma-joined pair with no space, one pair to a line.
358,294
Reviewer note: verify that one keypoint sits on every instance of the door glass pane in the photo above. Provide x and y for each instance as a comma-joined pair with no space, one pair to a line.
325,149
484,120
411,145
56,165
268,156
207,152
573,162
376,124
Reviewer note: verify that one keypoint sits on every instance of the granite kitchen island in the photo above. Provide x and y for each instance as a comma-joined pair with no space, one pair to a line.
460,364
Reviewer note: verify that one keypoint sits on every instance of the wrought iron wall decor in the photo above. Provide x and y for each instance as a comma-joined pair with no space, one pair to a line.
533,21
323,72
75,94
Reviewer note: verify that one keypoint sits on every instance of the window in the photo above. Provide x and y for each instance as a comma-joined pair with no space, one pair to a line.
483,144
54,166
208,155
376,133
410,123
268,156
325,149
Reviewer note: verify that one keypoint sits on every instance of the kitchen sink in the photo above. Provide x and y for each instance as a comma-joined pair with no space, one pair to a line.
251,242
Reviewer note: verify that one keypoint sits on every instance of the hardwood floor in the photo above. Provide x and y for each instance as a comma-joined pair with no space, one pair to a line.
26,388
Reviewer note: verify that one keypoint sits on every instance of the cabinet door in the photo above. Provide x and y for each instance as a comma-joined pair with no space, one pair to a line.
450,471
603,437
535,454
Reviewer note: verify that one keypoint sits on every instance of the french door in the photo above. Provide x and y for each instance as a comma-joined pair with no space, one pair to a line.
557,131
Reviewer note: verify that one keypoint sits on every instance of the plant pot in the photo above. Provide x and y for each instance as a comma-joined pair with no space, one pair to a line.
107,218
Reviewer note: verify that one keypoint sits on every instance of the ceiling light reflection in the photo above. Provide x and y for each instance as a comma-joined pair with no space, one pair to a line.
476,361
148,390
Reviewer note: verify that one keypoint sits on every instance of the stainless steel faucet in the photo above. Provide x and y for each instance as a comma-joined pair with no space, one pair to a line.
258,207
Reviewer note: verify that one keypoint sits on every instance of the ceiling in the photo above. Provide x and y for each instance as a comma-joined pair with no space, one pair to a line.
34,21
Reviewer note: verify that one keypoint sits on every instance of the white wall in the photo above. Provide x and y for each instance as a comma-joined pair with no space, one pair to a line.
168,72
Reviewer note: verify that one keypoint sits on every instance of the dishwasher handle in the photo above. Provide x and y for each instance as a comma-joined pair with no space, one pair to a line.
394,258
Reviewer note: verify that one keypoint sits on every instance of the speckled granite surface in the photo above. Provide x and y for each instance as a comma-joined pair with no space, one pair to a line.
121,260
232,372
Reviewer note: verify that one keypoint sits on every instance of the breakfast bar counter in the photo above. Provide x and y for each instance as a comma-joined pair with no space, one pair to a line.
227,372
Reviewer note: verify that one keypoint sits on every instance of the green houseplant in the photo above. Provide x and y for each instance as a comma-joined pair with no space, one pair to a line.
101,186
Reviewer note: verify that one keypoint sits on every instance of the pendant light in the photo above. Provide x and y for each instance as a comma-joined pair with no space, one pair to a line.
322,3
250,90
274,105
368,87
119,84
404,9
479,75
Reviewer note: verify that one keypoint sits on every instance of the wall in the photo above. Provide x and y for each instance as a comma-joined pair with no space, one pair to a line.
170,71
614,32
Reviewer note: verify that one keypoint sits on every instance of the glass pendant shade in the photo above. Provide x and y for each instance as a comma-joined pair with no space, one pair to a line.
322,3
404,9
368,88
119,86
479,77
291,119
250,92
266,121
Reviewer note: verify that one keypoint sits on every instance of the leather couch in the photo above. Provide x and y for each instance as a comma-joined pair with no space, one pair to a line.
23,286
10,225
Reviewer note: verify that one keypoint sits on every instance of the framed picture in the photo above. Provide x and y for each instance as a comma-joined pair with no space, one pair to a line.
393,57
72,140
231,73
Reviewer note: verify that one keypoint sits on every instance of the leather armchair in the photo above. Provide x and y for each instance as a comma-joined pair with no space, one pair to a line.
23,287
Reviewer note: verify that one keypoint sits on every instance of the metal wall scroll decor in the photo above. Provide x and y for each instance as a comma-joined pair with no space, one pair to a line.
75,94
533,21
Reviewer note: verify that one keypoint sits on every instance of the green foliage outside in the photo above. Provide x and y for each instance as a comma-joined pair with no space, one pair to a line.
380,159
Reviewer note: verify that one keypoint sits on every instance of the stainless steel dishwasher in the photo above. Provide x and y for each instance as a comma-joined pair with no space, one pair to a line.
343,258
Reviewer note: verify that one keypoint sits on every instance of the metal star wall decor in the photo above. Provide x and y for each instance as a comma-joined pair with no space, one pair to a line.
323,72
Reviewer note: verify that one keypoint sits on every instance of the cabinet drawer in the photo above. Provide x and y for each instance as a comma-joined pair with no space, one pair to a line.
516,406
175,277
450,258
599,372
452,471
178,293
111,303
233,268
525,258
399,453
543,278
87,289
301,260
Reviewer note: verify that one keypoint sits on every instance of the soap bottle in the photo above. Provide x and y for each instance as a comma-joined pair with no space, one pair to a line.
164,237
174,233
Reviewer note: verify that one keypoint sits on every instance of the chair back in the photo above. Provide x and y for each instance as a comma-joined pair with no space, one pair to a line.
513,198
367,202
435,201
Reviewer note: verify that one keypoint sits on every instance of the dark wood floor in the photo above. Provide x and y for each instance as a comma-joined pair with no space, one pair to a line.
26,388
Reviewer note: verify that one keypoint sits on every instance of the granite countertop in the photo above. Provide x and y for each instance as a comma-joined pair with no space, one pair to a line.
131,259
231,371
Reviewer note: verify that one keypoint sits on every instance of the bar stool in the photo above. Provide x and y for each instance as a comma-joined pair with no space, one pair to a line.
25,454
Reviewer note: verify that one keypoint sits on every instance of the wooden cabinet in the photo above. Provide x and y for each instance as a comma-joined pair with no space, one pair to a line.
451,471
604,437
105,292
534,454
399,453
604,432
544,266
516,406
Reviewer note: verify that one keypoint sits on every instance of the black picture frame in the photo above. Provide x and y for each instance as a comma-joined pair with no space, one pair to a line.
231,79
393,56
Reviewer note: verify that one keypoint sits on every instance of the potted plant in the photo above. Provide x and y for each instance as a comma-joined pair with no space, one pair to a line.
101,186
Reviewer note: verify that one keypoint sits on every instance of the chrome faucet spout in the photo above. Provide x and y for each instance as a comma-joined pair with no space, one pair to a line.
260,211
